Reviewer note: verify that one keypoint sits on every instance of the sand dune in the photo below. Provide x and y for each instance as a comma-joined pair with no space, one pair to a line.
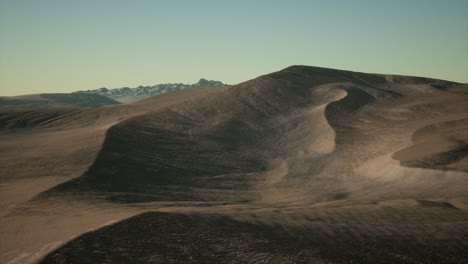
313,134
339,165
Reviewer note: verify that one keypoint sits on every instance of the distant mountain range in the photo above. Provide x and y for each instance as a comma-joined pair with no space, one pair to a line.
126,94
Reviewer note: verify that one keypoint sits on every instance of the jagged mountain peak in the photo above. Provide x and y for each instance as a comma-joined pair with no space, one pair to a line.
126,94
207,83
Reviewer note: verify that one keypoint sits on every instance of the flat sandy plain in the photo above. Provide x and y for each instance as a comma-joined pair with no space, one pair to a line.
304,165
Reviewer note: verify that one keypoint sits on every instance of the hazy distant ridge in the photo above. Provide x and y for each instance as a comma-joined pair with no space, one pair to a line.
56,100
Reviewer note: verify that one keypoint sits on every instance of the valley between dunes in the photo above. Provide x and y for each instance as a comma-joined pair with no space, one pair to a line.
303,165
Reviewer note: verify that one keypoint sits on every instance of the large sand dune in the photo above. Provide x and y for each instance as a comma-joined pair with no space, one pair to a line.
314,164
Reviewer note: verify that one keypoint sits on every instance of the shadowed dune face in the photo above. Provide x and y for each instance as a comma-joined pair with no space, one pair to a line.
442,145
308,163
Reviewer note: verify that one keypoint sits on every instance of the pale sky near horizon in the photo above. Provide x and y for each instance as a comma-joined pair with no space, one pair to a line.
69,45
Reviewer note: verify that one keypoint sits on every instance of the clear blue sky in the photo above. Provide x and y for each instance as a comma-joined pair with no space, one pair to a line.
69,45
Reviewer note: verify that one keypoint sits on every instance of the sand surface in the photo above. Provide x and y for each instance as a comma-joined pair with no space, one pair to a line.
302,165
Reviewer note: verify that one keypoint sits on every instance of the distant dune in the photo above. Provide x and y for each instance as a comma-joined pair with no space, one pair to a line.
57,100
303,165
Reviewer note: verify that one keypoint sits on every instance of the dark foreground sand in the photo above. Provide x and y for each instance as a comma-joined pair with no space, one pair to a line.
196,238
